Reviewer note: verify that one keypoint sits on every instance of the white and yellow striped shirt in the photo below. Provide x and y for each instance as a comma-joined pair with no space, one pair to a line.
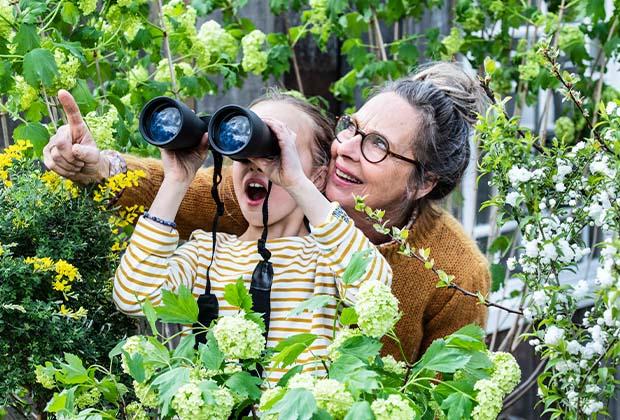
303,267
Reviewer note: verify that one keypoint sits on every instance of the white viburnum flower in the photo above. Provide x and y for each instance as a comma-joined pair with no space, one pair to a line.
512,197
332,396
394,407
342,335
302,380
145,394
239,338
489,400
553,335
506,371
394,366
189,403
254,57
377,308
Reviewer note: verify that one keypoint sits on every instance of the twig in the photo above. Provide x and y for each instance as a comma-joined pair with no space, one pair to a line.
96,57
5,129
578,103
49,109
173,79
379,38
586,376
300,85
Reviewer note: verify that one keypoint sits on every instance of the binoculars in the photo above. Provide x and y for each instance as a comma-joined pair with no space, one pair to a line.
234,131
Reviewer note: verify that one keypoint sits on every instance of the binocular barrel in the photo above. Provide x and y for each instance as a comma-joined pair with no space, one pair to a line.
234,131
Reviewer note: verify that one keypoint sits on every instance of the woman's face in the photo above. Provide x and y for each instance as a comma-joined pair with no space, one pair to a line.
250,183
385,183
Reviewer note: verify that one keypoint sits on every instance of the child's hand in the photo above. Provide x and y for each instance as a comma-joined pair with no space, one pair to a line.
181,165
286,170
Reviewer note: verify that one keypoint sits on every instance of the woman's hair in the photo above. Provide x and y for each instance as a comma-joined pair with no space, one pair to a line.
323,134
448,101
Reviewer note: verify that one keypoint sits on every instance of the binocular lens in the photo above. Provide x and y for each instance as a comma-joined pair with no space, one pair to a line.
164,124
234,133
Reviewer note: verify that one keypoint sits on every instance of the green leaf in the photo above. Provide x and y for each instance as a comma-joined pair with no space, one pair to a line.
210,354
70,13
158,356
135,363
356,267
73,371
185,349
167,385
178,308
348,316
458,406
498,274
444,359
297,404
26,39
245,385
361,346
360,411
312,304
150,314
288,375
237,295
321,414
290,348
62,401
118,349
36,133
6,75
355,374
40,67
83,97
500,244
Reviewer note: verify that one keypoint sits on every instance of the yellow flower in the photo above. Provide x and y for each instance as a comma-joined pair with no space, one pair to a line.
61,285
55,183
40,264
80,313
1,250
65,269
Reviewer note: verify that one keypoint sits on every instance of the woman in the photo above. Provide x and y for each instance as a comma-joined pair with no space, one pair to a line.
406,148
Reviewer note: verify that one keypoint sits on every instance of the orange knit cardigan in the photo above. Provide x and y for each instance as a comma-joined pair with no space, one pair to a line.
428,312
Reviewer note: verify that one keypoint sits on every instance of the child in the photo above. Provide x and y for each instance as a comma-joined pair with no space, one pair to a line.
304,263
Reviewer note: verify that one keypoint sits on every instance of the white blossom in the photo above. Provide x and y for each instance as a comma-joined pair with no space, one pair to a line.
580,290
553,335
512,197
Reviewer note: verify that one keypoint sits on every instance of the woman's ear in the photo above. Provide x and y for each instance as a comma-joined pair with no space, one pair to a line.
319,177
425,189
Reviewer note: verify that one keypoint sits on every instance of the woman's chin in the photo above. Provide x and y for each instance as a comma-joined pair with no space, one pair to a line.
344,196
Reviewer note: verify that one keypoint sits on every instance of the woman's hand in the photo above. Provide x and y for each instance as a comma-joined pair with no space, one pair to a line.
286,170
181,165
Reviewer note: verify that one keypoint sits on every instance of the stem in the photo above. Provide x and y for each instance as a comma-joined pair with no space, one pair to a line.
379,40
96,57
393,336
173,79
578,104
300,85
49,109
543,120
5,129
51,18
585,377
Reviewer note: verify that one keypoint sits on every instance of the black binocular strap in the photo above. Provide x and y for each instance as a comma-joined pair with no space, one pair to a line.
208,306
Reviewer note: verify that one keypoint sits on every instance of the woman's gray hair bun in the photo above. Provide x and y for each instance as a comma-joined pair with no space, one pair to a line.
449,101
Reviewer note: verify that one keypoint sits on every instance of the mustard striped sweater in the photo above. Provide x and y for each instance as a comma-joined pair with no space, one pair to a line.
303,267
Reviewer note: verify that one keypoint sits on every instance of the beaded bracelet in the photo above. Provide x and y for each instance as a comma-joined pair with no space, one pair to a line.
160,221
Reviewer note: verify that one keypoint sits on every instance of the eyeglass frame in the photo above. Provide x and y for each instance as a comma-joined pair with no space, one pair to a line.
364,135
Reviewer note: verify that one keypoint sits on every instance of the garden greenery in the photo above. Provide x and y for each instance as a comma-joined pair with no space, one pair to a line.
58,252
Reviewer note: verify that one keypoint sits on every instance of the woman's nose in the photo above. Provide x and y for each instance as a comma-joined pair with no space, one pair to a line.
349,148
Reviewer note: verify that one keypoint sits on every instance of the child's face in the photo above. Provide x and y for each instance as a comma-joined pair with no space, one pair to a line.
251,184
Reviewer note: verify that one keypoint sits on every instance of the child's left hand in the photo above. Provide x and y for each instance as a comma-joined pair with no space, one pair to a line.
286,170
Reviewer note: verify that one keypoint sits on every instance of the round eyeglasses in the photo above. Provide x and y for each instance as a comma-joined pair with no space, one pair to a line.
374,147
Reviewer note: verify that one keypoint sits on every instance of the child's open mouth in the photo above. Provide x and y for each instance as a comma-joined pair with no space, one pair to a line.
255,191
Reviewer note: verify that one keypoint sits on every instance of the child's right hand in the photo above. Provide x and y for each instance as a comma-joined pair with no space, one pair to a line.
181,165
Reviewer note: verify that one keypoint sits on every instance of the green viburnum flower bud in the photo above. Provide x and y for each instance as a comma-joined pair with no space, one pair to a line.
570,36
126,24
102,129
146,394
529,70
136,76
453,42
212,43
44,377
162,74
394,366
87,399
489,400
302,380
254,58
239,338
183,14
342,335
394,407
135,411
26,93
565,129
267,397
68,67
6,18
190,405
87,6
506,371
377,309
130,3
332,396
135,343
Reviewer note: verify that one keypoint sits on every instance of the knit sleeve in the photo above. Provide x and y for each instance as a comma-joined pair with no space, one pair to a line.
198,207
459,310
153,262
338,240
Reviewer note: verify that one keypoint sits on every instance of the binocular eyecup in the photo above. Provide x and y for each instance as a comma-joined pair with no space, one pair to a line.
234,131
